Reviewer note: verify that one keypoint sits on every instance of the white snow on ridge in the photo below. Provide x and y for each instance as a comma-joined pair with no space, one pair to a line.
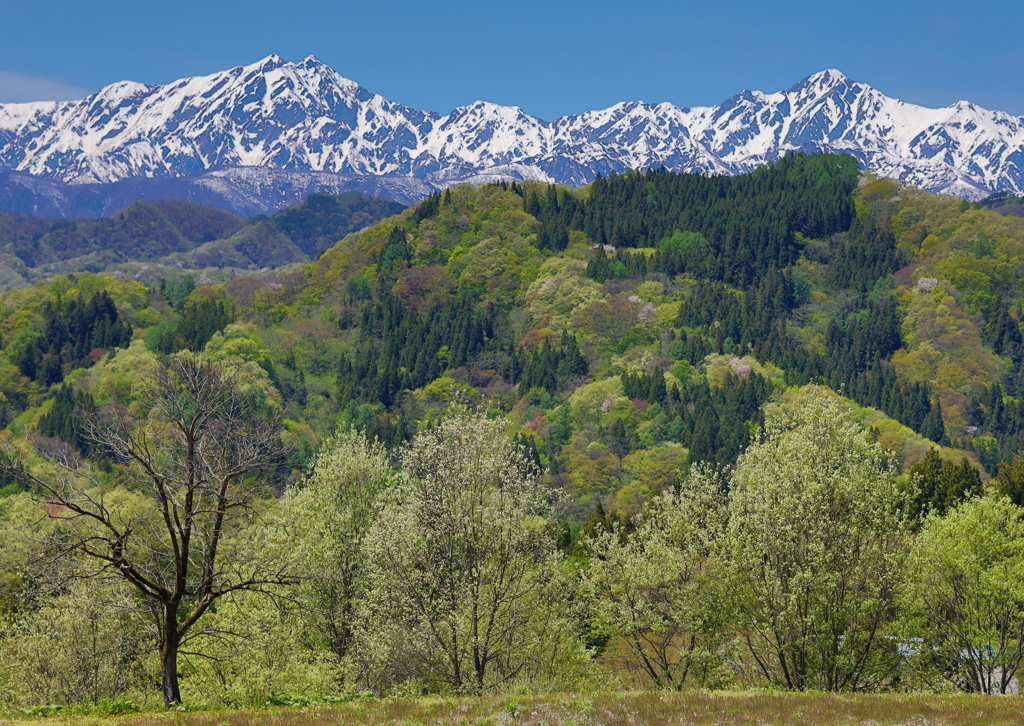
306,117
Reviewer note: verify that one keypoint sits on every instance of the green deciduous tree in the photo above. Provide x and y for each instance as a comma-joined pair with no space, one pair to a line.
78,647
334,511
256,644
816,533
663,590
964,594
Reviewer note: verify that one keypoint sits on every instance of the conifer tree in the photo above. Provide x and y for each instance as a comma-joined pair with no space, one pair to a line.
942,485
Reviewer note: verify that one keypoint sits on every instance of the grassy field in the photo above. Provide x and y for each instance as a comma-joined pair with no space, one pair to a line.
615,709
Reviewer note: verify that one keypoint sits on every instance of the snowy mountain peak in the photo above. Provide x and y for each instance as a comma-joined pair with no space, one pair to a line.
311,62
305,117
822,85
828,78
271,62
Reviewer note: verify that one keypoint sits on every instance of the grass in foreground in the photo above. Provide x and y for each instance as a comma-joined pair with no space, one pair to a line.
612,709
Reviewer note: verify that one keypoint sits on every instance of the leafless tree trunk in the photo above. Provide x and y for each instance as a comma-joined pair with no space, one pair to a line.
190,444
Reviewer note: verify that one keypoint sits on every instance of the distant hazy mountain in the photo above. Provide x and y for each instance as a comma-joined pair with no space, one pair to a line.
245,191
274,117
181,235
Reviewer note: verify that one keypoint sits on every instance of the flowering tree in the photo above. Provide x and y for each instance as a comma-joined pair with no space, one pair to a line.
465,591
815,531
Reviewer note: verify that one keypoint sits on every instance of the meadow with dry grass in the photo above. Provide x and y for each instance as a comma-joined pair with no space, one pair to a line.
696,708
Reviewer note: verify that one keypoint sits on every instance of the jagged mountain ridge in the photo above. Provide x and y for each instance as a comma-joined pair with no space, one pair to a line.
305,117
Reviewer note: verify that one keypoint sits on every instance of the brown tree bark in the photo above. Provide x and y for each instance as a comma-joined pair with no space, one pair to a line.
192,455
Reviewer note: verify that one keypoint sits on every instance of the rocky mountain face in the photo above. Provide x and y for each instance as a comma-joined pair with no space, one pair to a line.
256,137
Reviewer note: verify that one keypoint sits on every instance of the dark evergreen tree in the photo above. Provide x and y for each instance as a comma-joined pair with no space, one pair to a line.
198,323
428,208
867,253
617,439
1010,481
63,420
932,427
941,485
75,333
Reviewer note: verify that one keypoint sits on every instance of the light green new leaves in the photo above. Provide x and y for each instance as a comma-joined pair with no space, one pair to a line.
815,530
559,290
332,515
964,595
257,644
663,591
302,641
81,646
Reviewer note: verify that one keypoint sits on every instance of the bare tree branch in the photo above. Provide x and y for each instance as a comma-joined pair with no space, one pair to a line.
190,446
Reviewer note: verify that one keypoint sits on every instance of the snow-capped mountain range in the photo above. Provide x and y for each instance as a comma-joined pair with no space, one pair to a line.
305,117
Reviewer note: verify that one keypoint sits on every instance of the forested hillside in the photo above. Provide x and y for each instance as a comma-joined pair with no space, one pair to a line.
180,234
627,330
632,337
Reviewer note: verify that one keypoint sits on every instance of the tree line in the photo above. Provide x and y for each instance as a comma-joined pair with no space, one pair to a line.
811,564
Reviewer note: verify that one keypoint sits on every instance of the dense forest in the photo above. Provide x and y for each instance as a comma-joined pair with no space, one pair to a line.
645,359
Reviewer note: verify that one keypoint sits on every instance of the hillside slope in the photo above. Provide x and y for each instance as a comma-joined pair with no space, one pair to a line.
181,235
626,331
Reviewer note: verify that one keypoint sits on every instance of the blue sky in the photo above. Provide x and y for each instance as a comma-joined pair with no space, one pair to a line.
551,58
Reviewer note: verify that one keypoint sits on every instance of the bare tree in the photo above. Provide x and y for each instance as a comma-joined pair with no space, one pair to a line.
190,446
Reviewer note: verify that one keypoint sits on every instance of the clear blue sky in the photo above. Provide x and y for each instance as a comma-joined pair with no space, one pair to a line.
551,58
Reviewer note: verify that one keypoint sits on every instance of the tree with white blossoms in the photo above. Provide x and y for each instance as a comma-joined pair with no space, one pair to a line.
816,532
964,595
663,591
333,512
465,590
